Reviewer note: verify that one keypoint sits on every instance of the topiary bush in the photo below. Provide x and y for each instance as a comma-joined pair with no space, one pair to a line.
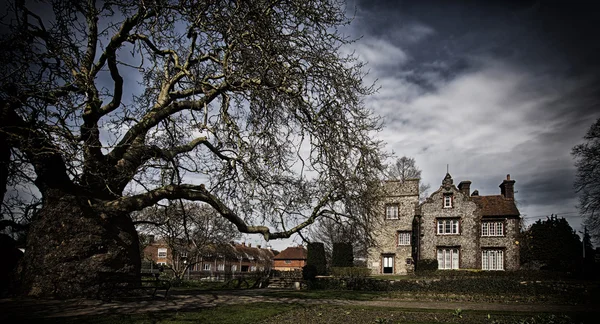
316,257
342,255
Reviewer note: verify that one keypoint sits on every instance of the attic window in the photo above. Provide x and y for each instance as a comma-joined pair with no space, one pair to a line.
448,201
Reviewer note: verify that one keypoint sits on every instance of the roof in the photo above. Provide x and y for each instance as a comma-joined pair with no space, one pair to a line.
292,253
496,206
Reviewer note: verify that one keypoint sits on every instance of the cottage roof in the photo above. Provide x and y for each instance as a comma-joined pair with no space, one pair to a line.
292,253
496,205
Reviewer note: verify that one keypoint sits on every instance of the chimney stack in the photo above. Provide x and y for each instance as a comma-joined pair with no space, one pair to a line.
243,243
465,187
507,188
249,244
475,193
258,246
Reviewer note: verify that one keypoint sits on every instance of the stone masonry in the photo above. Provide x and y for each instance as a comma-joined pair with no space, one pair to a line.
404,195
462,230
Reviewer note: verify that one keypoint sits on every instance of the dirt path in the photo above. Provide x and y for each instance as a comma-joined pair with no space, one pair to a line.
19,309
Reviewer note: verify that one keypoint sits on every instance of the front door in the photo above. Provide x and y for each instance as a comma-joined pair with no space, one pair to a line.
388,264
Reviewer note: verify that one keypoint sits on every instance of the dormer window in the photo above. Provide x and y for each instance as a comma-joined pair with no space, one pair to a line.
447,201
391,211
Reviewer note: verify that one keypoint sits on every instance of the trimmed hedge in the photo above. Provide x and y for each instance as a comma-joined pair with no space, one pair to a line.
316,258
350,272
426,265
342,255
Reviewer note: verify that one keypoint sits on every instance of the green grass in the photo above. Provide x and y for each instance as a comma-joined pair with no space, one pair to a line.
327,294
233,314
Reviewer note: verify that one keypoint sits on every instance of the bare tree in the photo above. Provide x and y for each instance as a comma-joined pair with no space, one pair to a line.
587,181
406,168
247,106
190,230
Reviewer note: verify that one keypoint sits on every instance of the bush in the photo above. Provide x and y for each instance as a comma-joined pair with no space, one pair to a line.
350,272
309,272
316,257
426,265
342,255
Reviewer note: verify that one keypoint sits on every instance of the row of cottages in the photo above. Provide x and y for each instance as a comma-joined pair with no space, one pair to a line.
214,260
461,230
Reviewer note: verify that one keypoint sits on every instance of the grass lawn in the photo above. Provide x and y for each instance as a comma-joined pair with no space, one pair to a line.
234,314
269,313
327,294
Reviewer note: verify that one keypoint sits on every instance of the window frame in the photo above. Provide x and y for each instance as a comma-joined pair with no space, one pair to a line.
498,228
400,240
206,267
163,251
387,209
287,261
451,255
448,225
221,267
493,257
447,198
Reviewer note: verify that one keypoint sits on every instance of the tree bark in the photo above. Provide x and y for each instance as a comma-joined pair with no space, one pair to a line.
70,243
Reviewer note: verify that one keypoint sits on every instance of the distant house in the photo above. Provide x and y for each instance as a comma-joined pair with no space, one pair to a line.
215,260
459,229
292,258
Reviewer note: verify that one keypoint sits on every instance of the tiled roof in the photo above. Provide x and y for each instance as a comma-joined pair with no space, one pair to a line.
496,205
292,253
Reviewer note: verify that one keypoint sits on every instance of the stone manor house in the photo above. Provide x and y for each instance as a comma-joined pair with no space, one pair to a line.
462,230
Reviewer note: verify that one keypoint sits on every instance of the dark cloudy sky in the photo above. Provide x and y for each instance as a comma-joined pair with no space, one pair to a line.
490,88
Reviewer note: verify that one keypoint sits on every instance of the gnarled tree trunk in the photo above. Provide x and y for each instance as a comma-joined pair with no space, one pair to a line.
70,243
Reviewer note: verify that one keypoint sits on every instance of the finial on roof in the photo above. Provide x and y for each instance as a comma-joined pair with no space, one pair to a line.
447,180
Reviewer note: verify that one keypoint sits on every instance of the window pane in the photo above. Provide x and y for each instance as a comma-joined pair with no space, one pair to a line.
454,227
447,259
455,259
440,258
447,227
500,229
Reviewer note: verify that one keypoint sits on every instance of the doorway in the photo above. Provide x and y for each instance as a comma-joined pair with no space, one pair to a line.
388,264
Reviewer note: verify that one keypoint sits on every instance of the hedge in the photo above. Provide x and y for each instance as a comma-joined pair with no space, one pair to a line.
350,272
316,258
342,255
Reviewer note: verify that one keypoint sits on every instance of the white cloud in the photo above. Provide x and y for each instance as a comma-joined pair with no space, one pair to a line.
380,53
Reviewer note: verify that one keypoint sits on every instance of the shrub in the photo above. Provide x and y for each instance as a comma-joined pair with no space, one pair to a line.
342,255
350,272
309,272
316,257
426,265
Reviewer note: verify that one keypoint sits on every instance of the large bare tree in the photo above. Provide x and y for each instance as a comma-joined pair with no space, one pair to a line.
114,106
587,181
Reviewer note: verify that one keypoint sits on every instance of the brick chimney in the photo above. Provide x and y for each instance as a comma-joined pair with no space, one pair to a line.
507,188
249,244
465,187
243,243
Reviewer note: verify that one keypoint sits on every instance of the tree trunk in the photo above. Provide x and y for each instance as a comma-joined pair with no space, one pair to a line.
69,244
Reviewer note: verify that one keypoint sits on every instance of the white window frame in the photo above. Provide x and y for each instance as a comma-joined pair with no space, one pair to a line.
449,226
162,253
221,267
492,260
403,238
447,201
233,267
492,228
206,267
288,261
391,211
252,268
448,258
